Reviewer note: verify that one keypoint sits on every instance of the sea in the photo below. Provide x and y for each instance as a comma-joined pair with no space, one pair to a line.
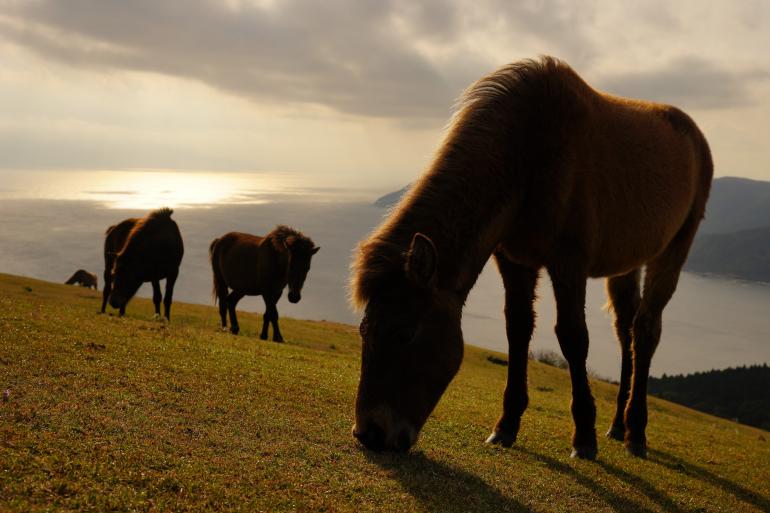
53,223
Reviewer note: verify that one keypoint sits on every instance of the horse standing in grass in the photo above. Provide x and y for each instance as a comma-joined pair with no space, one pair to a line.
84,279
250,265
540,171
138,250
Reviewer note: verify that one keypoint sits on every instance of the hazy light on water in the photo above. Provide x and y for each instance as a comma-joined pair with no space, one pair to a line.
142,190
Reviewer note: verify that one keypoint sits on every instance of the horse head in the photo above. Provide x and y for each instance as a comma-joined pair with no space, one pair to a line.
301,251
412,348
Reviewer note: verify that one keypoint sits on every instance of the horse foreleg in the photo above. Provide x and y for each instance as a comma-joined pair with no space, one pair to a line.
170,282
572,333
274,321
623,292
520,283
107,289
266,318
232,302
156,297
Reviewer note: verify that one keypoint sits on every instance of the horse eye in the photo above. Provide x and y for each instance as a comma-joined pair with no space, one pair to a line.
363,327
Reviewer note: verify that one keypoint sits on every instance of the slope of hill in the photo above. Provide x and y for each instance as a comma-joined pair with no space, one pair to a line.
126,414
737,204
736,393
390,199
744,254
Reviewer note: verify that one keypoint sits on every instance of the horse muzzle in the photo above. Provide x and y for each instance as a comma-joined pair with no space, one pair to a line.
294,297
373,437
117,302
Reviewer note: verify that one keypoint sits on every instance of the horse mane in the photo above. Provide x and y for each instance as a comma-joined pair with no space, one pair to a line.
284,236
160,213
492,119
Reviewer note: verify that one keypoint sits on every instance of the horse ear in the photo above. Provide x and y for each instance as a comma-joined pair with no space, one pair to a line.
315,250
421,261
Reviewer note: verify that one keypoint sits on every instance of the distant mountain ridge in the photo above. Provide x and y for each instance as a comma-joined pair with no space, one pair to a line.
736,204
733,239
390,199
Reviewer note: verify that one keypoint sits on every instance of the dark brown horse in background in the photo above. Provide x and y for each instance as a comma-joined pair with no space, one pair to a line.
541,171
250,265
84,279
138,250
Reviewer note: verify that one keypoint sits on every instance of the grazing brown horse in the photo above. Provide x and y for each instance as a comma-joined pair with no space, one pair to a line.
141,250
540,171
84,279
251,265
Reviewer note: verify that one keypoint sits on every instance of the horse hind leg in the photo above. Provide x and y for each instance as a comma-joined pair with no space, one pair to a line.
623,292
232,302
222,298
660,281
520,283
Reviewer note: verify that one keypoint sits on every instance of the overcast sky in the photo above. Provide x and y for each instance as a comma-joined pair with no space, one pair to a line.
355,93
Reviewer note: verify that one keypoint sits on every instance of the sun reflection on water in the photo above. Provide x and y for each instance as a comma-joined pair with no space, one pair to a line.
142,190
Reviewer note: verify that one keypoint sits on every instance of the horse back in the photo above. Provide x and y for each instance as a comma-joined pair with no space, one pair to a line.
644,170
628,177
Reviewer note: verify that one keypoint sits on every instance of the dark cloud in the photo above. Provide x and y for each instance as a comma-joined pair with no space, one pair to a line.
358,57
688,82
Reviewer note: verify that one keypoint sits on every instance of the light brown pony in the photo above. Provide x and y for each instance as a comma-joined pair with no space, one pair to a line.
84,279
251,265
538,170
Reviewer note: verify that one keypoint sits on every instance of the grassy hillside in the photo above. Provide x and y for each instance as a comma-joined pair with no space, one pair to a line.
127,414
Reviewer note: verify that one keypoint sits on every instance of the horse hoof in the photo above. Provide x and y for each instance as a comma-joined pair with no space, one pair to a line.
501,438
584,453
156,317
234,331
616,433
279,340
263,337
637,449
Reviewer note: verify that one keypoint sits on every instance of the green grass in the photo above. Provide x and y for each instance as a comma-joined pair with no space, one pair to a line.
127,414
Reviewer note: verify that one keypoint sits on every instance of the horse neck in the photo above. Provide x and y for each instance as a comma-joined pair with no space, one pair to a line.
462,205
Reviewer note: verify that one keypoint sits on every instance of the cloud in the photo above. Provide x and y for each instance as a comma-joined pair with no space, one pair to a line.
689,81
396,59
382,58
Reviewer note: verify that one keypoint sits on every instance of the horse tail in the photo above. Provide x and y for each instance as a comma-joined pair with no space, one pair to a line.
219,280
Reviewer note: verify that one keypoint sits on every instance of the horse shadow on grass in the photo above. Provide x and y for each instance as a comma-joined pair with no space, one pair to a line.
738,491
614,500
440,487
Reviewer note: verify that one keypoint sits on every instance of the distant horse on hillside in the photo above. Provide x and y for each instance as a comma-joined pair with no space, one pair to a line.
251,265
84,279
538,170
138,250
